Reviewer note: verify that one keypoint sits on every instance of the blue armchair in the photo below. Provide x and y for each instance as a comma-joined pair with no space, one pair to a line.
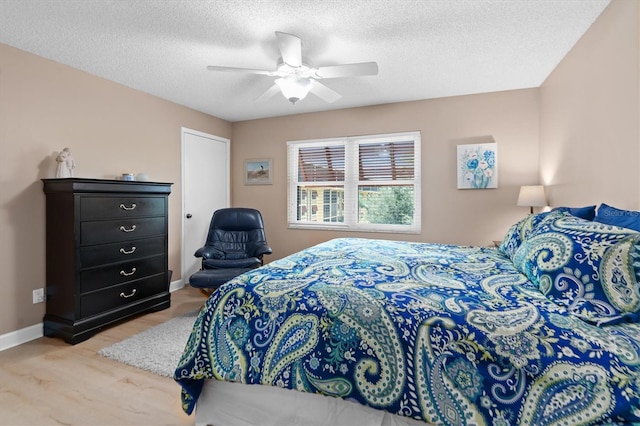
236,243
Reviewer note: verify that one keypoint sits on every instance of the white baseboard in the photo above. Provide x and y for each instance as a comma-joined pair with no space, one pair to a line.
27,334
176,285
18,337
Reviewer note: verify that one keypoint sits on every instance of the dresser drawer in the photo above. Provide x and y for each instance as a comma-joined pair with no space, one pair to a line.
105,276
101,254
120,230
92,208
121,295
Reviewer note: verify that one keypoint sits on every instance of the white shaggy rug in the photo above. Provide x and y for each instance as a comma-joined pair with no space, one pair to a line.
157,349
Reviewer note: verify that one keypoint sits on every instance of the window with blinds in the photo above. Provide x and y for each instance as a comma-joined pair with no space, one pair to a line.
365,183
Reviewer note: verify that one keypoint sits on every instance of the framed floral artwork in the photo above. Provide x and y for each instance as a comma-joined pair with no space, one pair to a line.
477,166
258,172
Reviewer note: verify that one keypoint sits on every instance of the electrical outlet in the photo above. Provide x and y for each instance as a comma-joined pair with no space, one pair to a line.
38,295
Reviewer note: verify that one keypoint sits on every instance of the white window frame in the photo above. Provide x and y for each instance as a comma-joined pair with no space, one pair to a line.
351,183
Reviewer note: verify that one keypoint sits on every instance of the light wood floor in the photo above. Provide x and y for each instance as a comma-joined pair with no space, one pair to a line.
48,382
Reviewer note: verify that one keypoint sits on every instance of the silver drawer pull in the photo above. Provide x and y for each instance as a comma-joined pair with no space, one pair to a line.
126,296
123,207
123,229
123,251
128,274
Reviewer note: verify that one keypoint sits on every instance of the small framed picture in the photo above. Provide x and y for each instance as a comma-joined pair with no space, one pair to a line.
258,171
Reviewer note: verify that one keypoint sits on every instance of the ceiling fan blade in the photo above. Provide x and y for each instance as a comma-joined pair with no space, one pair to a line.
271,91
323,92
347,70
290,49
242,70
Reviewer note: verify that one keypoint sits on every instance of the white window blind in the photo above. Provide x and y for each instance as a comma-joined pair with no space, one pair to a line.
386,161
321,163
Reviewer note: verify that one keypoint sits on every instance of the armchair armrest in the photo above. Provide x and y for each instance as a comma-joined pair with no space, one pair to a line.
262,249
208,252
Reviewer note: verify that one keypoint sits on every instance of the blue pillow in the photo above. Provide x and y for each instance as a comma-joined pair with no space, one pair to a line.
612,216
518,232
590,268
587,213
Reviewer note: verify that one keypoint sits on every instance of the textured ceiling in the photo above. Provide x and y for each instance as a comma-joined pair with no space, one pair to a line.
424,48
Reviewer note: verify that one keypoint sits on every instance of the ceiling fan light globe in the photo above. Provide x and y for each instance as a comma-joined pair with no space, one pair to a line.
294,88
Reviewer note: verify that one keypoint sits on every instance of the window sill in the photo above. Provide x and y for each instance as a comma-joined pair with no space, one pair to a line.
346,228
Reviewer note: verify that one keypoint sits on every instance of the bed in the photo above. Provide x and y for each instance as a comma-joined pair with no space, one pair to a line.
542,330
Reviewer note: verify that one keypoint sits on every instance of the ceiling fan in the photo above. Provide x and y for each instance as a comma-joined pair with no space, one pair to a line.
296,78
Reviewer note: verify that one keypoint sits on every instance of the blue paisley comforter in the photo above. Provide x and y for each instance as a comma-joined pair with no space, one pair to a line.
445,334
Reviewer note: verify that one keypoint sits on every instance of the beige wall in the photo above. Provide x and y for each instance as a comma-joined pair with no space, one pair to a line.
589,119
111,129
449,215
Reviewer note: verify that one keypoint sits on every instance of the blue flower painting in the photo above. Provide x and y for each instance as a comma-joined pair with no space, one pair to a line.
478,166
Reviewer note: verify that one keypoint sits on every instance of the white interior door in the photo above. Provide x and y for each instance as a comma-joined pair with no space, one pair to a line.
205,188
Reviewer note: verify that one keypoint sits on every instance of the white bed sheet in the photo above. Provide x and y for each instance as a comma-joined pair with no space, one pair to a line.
225,403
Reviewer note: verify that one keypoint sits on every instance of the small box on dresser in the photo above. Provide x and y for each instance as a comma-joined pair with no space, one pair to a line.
107,253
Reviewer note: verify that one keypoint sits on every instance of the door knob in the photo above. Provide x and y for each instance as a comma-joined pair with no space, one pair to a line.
189,216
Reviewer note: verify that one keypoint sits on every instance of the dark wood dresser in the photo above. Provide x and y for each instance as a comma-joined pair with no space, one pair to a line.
107,256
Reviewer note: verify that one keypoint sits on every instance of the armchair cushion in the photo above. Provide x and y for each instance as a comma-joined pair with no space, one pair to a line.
250,262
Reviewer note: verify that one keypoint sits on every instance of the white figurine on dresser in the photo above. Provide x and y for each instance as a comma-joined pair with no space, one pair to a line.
65,164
